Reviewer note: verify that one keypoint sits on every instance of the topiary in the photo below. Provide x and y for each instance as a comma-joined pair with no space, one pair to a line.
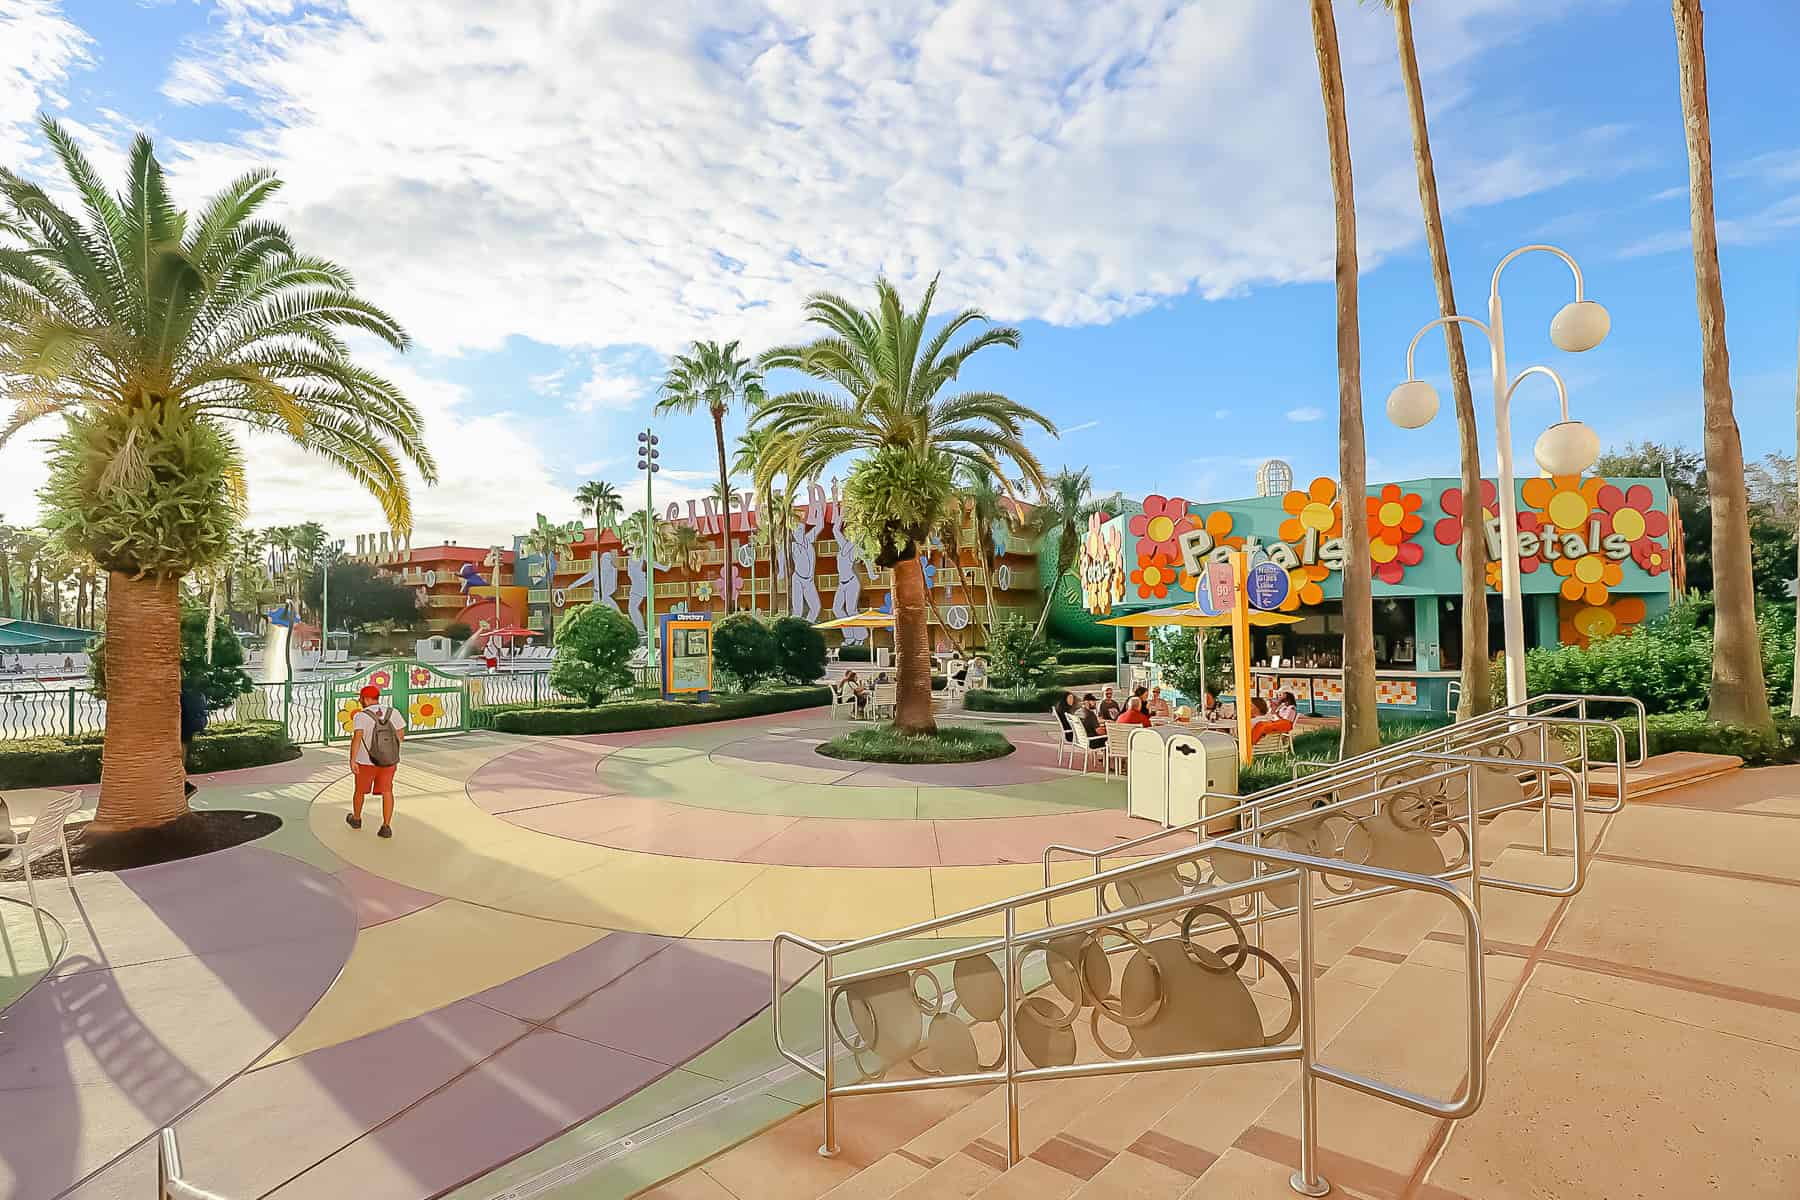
744,650
799,650
593,653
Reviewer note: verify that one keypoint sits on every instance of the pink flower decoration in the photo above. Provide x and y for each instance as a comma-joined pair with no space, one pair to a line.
1163,520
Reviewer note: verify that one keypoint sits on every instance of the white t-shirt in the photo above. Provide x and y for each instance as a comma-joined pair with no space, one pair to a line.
365,721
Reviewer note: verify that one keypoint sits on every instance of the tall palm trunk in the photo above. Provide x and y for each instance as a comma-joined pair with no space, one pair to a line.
718,416
141,771
1739,694
913,713
1476,667
1360,732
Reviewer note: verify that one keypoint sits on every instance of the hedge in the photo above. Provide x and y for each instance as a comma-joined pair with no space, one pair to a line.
1691,731
1079,676
1009,700
1086,656
625,716
69,761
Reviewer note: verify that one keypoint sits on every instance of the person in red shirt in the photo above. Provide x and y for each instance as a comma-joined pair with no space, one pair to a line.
1134,713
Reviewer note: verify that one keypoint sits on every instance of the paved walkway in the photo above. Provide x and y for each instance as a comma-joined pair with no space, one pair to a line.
558,926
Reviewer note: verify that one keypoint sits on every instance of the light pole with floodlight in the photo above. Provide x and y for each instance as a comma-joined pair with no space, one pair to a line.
647,456
1566,448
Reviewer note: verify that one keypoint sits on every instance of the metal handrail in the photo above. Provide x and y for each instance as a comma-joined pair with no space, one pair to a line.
1289,868
169,1183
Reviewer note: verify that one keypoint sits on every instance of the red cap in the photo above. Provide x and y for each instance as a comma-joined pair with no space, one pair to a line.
370,694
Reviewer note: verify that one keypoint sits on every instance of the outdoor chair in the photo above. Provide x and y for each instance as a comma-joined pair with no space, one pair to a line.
1118,750
1065,741
47,833
1086,747
884,697
1280,741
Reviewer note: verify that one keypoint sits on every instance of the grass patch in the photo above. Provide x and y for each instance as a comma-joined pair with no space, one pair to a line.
950,744
1321,745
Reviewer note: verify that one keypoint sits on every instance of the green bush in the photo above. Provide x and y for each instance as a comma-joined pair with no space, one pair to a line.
1017,657
628,715
593,653
1691,731
885,744
744,651
1079,676
799,651
1086,656
1178,654
860,652
70,761
1012,700
1321,745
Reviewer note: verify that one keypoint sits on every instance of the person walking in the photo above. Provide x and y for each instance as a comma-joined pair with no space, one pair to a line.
193,720
376,733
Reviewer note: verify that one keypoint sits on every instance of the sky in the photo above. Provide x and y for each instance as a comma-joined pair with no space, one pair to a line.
553,197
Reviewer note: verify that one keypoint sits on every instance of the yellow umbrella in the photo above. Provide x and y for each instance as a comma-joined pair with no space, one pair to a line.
1190,616
868,618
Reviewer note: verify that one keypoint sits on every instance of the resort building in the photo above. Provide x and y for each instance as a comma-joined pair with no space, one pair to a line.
1596,556
452,581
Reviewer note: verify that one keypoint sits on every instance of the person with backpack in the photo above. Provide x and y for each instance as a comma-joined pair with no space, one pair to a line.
376,732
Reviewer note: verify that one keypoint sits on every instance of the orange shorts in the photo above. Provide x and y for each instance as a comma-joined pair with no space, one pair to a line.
371,778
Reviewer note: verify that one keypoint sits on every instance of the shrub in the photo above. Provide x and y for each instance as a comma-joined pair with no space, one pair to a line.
855,652
458,632
799,651
593,653
1086,656
744,651
885,744
1178,654
1321,745
1691,731
1017,657
624,716
1012,700
1078,676
69,761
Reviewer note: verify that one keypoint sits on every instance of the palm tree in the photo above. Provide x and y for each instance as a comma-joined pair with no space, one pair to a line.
772,518
26,548
686,545
1063,506
632,534
1359,731
9,538
152,335
886,406
1739,694
603,501
986,497
546,540
713,377
1476,664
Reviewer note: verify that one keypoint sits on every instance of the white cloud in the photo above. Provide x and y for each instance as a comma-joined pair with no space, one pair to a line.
591,175
1766,224
609,389
39,46
549,383
1305,413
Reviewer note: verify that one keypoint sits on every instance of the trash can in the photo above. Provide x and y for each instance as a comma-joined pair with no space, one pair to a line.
1200,763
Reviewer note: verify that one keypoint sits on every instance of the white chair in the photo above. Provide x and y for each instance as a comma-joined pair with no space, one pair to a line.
1059,730
882,657
48,832
1085,746
1118,750
885,697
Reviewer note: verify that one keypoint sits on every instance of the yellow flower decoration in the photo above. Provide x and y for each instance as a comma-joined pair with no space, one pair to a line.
426,711
1316,508
1303,586
1566,500
1584,623
346,713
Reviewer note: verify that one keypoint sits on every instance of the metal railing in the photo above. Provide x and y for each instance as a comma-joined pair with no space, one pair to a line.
169,1183
1181,1004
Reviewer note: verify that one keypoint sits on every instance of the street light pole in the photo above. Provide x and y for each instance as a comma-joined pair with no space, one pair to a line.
647,456
1568,447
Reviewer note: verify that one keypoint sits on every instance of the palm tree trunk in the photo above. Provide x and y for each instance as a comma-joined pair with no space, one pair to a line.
913,713
718,417
141,770
1739,694
1476,665
1360,732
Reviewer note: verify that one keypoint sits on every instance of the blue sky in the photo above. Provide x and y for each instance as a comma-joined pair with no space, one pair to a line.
553,205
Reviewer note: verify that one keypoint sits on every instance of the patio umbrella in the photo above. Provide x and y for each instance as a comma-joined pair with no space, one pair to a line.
868,618
1189,616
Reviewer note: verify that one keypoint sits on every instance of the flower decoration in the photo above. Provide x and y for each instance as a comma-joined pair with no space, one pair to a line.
419,677
1566,500
1316,508
382,679
346,713
1393,520
703,590
1653,556
1448,530
426,711
1163,520
1583,623
1102,563
1633,512
1154,576
1303,586
1588,577
1218,525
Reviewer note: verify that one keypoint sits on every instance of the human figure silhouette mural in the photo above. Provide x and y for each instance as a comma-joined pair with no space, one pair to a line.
803,558
640,590
605,578
849,589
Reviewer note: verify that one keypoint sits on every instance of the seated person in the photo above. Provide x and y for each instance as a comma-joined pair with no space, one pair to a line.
1210,707
956,670
851,691
1109,708
977,672
1134,713
1262,723
1065,714
1090,721
1156,706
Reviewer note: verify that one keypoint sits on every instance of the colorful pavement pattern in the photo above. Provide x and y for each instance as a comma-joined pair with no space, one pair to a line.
567,939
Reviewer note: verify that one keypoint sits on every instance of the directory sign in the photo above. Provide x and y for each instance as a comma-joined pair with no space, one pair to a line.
686,654
1267,586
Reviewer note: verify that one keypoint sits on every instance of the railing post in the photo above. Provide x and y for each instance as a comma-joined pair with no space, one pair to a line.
1256,869
287,704
1475,843
827,1148
71,712
1006,1029
1307,1180
535,702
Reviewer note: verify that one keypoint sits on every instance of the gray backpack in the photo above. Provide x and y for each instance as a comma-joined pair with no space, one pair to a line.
384,743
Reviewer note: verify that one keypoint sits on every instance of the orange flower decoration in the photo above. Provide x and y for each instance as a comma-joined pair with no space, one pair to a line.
1393,520
1154,576
1218,524
1587,578
1315,508
1582,623
1303,586
1567,500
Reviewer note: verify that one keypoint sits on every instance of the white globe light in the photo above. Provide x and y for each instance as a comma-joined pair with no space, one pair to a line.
1581,325
1567,448
1412,404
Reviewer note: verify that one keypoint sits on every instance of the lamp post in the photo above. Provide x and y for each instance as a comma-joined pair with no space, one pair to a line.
1566,448
647,456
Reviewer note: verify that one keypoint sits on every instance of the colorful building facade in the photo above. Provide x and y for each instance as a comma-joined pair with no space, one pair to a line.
1597,556
453,583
